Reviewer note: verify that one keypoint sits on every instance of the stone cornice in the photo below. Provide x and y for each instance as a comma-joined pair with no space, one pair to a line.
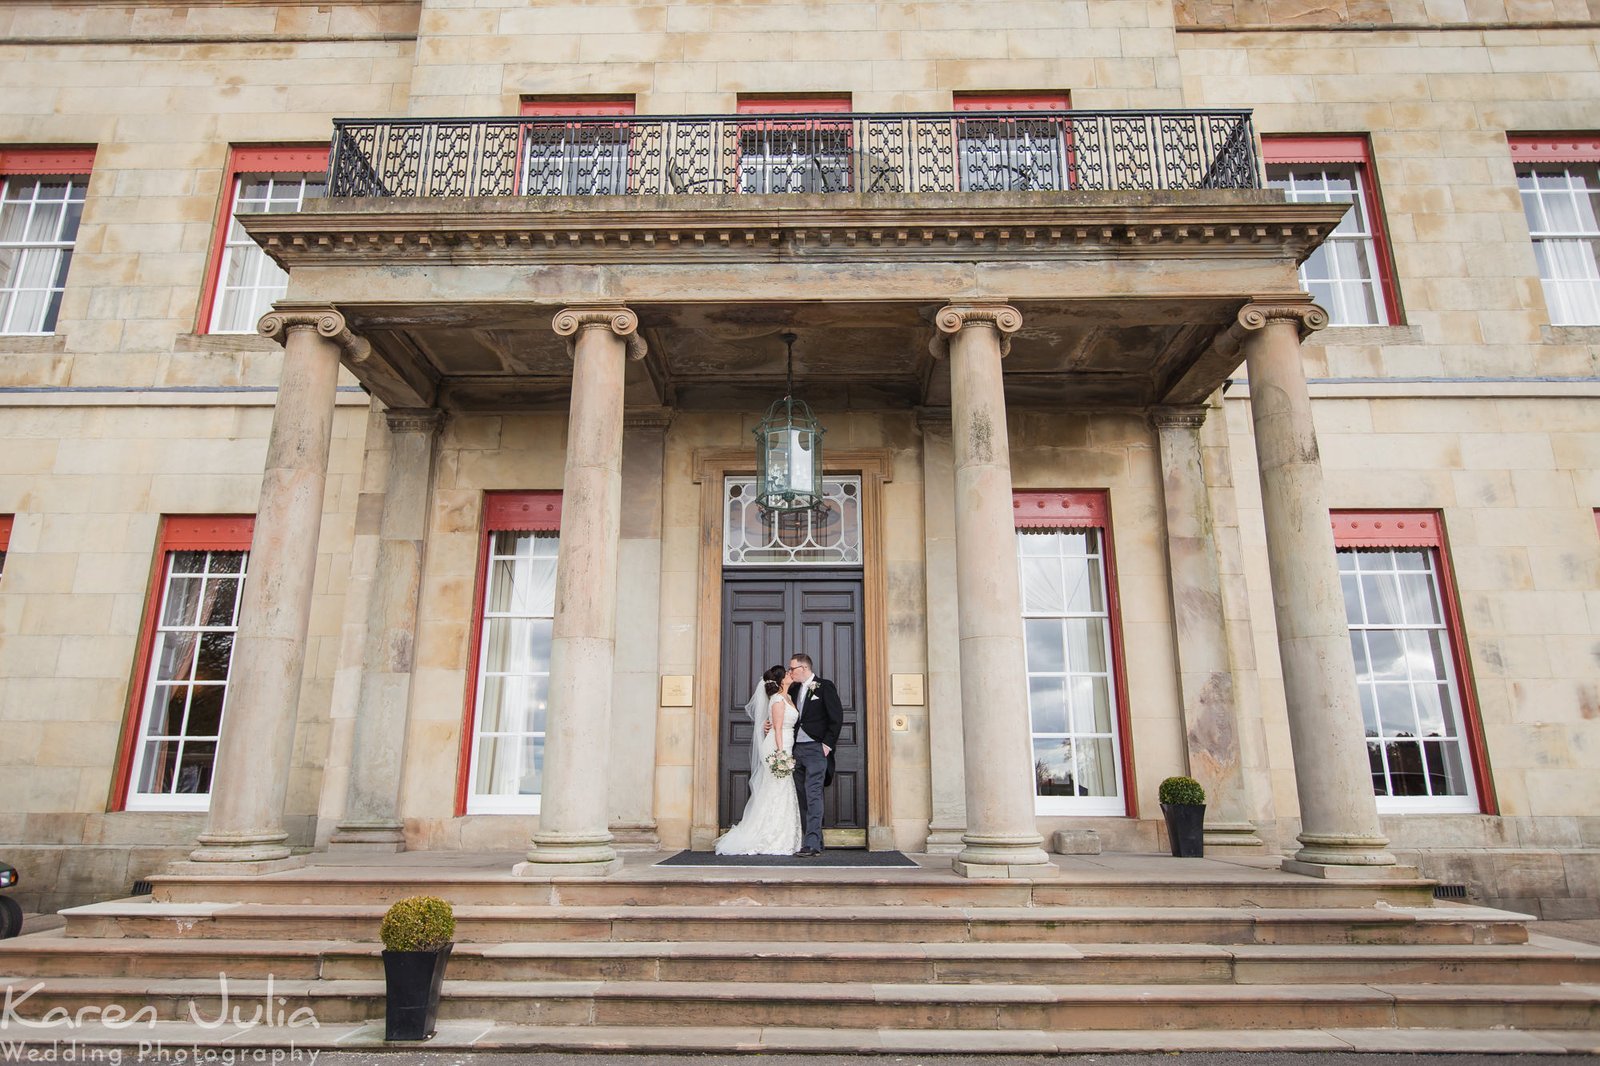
575,229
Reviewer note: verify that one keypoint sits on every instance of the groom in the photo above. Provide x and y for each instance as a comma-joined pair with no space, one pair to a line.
821,718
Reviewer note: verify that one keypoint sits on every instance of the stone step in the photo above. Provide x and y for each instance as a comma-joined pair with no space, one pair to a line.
910,888
1550,962
850,1005
809,925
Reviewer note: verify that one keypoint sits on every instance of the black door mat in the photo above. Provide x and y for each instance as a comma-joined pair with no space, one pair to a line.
832,858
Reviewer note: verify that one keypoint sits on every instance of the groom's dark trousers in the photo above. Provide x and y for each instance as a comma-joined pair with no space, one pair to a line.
811,767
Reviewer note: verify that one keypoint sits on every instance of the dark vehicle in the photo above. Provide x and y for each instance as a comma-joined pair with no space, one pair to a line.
10,909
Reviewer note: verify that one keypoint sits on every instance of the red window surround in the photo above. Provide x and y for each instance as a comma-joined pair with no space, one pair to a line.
1356,150
53,160
1534,148
1090,509
502,512
287,159
5,531
556,106
1011,101
178,533
1425,529
765,104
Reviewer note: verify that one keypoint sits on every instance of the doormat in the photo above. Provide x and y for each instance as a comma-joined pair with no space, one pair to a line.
832,859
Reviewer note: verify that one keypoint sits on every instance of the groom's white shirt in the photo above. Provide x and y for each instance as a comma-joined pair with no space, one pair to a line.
800,735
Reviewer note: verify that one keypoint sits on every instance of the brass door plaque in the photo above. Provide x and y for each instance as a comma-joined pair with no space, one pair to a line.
905,690
677,690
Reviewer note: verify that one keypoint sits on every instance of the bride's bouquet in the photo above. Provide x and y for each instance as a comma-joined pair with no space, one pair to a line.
781,763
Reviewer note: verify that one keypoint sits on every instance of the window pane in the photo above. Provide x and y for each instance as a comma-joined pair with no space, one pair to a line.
1047,702
1053,768
1045,650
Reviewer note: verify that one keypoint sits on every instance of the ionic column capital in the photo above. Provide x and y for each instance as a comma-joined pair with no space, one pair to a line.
1188,416
328,323
614,317
427,420
953,318
1308,316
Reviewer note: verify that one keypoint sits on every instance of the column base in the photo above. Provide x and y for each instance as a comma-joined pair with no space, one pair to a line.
1363,852
944,839
635,836
241,848
1334,872
989,856
549,871
1231,835
385,837
234,868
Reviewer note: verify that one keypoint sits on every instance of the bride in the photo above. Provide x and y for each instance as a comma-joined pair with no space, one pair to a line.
771,822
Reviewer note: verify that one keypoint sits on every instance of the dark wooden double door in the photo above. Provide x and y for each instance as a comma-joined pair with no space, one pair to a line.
766,617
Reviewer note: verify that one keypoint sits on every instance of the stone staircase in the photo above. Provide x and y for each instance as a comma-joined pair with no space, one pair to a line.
658,958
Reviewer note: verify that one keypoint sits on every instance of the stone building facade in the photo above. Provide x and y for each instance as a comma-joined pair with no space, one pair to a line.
1104,408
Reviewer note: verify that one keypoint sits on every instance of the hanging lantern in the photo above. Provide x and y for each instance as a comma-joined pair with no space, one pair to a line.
789,451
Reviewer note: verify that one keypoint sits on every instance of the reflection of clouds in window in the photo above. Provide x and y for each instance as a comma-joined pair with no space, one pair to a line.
1404,672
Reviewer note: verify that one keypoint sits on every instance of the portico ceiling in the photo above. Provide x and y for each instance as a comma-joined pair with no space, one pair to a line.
1125,305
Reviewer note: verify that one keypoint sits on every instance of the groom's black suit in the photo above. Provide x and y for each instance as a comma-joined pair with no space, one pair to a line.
821,719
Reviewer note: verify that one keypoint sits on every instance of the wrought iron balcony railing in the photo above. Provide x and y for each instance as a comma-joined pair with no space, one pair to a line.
967,151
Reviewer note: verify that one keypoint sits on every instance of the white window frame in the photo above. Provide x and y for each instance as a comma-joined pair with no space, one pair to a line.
58,245
1578,183
1357,229
153,683
490,802
1085,806
1368,684
263,280
591,162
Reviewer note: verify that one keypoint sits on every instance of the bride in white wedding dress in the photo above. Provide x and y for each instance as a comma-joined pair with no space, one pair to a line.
771,822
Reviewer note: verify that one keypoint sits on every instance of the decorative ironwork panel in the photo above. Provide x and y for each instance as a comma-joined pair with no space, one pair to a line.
830,535
1023,151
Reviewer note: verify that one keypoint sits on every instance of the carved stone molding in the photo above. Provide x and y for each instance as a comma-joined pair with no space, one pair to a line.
934,419
1185,417
953,318
414,419
647,417
1308,316
278,324
619,320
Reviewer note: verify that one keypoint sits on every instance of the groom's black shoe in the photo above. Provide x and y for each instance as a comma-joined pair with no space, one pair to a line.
806,853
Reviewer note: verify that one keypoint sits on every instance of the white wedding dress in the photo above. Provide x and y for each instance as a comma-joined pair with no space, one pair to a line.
771,822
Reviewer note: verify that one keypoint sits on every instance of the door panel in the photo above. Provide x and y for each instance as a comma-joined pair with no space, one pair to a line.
766,617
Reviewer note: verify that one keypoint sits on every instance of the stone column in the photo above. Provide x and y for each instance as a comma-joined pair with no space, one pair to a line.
372,803
1338,812
251,782
573,838
948,778
1002,837
635,690
1205,673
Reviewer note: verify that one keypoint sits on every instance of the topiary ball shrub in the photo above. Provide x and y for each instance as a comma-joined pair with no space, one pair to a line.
418,923
1182,791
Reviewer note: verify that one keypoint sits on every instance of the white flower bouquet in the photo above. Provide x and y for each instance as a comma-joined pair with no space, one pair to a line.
781,763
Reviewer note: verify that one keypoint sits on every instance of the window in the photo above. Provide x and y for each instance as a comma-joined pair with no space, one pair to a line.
511,643
1009,153
1560,183
5,541
828,536
800,153
1349,274
184,659
244,282
1074,686
41,204
562,157
1416,701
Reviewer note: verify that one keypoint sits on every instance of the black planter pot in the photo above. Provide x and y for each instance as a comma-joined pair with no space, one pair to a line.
1186,829
411,992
